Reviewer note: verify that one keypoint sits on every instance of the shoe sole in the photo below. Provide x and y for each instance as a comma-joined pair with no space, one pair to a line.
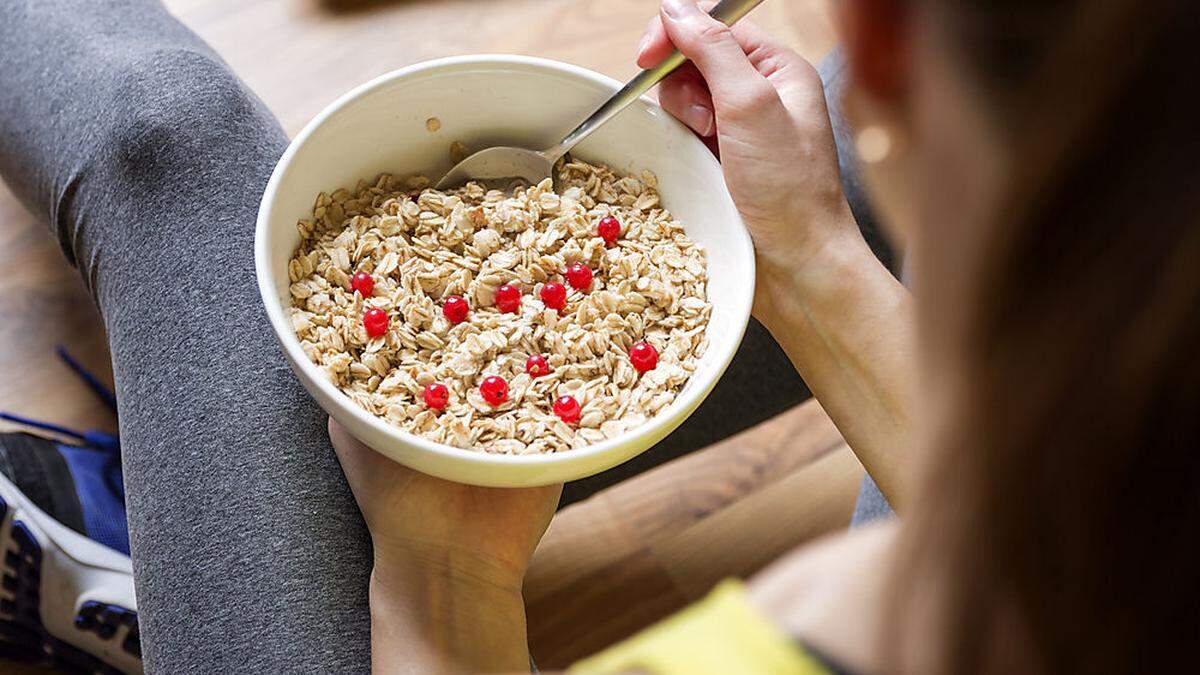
64,599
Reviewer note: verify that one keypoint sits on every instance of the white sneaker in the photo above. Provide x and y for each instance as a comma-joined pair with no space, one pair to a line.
64,599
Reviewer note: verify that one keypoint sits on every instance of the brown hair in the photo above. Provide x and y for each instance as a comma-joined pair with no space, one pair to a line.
1059,512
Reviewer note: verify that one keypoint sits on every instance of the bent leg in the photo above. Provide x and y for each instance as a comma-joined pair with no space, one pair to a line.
148,158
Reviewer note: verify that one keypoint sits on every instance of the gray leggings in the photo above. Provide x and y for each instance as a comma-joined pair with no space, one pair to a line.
147,157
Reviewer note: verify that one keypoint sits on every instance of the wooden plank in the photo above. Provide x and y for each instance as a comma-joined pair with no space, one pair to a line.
741,539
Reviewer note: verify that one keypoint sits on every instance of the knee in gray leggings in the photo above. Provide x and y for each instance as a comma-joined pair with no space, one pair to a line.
172,137
177,110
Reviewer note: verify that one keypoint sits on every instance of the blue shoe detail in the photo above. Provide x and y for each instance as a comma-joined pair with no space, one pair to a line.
112,616
22,635
101,490
20,618
83,486
104,620
31,549
27,597
133,645
27,546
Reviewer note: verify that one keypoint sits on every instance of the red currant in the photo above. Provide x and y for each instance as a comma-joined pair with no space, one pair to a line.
508,298
436,395
455,308
554,295
609,230
375,320
537,366
567,409
579,276
494,390
363,283
643,356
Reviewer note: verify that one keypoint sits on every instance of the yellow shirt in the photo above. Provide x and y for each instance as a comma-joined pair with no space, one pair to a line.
723,634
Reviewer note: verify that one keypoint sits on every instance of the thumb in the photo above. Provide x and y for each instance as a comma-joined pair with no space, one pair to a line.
736,84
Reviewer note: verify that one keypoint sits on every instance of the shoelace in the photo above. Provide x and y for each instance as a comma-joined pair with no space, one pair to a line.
104,393
92,438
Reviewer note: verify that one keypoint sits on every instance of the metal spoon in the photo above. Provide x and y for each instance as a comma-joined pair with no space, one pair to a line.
501,165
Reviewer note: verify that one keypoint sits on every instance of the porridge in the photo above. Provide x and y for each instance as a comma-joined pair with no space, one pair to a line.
517,323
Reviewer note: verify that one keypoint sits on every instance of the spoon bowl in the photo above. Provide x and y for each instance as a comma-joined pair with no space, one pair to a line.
499,167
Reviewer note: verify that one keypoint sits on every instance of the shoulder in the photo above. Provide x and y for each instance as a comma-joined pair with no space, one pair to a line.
831,594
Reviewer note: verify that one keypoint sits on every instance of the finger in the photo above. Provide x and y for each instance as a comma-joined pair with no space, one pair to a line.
341,439
655,45
791,74
349,451
687,98
765,52
738,89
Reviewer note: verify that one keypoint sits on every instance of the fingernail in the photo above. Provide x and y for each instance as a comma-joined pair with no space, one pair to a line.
679,9
642,46
700,119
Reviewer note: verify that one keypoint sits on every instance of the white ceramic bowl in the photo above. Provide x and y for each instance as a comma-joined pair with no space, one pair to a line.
512,100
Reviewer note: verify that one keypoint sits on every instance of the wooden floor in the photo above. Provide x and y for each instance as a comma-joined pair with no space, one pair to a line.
608,566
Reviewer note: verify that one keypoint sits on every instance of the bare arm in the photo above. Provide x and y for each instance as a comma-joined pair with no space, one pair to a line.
846,324
434,621
450,560
832,594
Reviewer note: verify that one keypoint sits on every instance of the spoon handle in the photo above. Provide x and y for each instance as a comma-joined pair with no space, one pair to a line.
726,11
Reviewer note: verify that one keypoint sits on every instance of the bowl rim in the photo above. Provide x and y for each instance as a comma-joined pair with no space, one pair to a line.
689,398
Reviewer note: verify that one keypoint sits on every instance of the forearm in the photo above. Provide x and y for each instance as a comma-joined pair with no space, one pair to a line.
426,622
848,327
